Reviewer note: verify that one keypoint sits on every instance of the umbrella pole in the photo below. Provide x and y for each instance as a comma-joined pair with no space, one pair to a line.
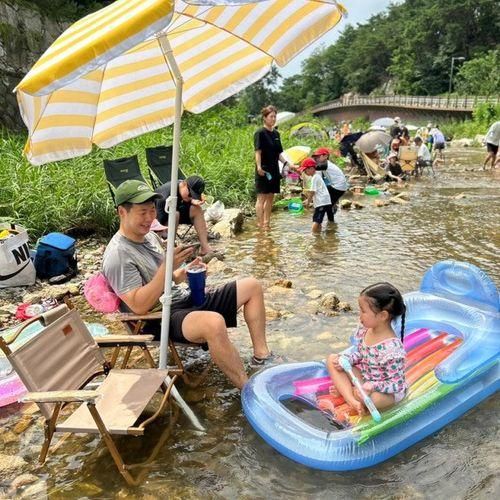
166,299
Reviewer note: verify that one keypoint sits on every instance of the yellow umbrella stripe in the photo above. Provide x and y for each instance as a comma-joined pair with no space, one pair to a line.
134,105
320,27
61,62
51,121
135,127
136,85
203,98
91,25
44,151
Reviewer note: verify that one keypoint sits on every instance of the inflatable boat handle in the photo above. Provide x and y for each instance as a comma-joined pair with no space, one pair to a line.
346,366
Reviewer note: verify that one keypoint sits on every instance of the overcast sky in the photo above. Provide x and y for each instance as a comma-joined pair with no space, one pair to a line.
358,12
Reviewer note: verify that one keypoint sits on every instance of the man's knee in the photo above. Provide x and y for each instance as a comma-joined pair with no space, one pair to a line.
214,326
252,286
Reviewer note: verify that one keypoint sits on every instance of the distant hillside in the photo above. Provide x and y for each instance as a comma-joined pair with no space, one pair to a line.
410,45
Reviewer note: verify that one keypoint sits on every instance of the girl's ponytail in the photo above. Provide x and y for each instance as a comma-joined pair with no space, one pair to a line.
403,318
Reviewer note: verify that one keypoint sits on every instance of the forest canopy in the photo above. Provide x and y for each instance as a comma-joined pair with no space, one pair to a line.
406,49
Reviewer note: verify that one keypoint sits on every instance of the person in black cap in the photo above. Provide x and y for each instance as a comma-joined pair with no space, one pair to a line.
189,211
133,263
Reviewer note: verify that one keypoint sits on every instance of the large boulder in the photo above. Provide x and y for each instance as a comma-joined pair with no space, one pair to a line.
231,223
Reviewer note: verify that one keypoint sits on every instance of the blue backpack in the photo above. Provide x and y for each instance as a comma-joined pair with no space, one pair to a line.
55,256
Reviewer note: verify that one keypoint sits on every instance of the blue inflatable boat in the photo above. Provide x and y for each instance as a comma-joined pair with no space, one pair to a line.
453,351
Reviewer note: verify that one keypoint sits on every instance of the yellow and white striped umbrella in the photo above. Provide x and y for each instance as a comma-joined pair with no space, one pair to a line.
117,95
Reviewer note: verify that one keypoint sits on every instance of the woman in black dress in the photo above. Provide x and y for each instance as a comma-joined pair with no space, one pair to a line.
268,150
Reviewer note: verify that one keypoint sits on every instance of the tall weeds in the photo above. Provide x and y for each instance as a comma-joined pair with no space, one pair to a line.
73,194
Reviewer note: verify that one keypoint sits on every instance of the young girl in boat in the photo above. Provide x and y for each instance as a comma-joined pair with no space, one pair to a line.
379,358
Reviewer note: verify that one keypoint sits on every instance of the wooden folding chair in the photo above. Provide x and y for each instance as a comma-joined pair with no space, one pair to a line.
56,366
407,157
121,170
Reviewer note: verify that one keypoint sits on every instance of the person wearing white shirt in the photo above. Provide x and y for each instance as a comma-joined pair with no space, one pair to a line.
492,141
424,158
333,177
318,193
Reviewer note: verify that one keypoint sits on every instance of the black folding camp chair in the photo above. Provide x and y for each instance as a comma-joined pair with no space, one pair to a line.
121,170
159,161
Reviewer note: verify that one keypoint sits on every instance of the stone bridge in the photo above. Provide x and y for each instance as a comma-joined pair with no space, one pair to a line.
411,109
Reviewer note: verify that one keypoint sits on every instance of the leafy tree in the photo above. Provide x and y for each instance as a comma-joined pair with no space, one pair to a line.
261,93
480,76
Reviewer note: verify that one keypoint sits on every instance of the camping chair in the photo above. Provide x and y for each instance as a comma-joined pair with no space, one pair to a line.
159,161
407,158
120,170
61,360
373,170
134,323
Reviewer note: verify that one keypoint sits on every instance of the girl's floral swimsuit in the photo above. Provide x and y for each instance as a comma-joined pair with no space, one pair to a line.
382,364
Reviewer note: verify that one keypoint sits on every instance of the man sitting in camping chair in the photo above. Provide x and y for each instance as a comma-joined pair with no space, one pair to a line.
189,211
424,158
134,266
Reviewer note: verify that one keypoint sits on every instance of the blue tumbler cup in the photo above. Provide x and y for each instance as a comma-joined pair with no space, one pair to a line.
196,278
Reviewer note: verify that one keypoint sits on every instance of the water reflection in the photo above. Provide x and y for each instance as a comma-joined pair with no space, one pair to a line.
396,243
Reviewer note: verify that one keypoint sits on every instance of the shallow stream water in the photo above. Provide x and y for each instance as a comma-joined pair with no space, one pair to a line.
396,243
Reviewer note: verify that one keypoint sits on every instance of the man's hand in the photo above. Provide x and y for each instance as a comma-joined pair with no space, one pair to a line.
181,254
197,203
261,172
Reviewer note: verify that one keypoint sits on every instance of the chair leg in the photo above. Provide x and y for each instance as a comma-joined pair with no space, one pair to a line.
115,454
126,357
50,426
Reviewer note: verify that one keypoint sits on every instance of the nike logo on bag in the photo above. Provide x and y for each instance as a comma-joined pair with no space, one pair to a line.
8,276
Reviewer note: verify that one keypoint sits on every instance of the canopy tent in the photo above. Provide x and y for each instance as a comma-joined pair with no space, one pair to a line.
309,129
284,116
202,56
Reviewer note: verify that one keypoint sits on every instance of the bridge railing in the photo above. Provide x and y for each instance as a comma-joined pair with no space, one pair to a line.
459,103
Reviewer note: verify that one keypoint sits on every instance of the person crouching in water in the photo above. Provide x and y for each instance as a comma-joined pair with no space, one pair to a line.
333,177
318,194
393,169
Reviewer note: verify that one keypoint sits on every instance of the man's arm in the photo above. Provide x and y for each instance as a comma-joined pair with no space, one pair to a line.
142,299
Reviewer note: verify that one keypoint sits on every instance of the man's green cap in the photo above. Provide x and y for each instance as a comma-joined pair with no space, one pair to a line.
133,191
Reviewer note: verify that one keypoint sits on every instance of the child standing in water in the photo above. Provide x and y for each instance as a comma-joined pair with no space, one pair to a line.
379,358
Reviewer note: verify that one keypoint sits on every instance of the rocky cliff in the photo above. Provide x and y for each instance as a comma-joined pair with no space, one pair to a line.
24,35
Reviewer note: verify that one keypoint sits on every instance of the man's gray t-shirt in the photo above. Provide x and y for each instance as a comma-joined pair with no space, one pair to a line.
128,265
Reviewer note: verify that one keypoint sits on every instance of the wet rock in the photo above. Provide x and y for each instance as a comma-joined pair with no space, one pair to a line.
212,255
330,301
11,465
397,201
345,204
462,143
230,224
216,266
272,314
315,294
344,306
283,283
324,336
22,425
8,437
381,203
23,480
404,195
37,490
357,205
459,196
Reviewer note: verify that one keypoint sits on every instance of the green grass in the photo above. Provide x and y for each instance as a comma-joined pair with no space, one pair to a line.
72,195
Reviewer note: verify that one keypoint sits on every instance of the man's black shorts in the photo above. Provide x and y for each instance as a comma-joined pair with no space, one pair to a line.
222,300
491,148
